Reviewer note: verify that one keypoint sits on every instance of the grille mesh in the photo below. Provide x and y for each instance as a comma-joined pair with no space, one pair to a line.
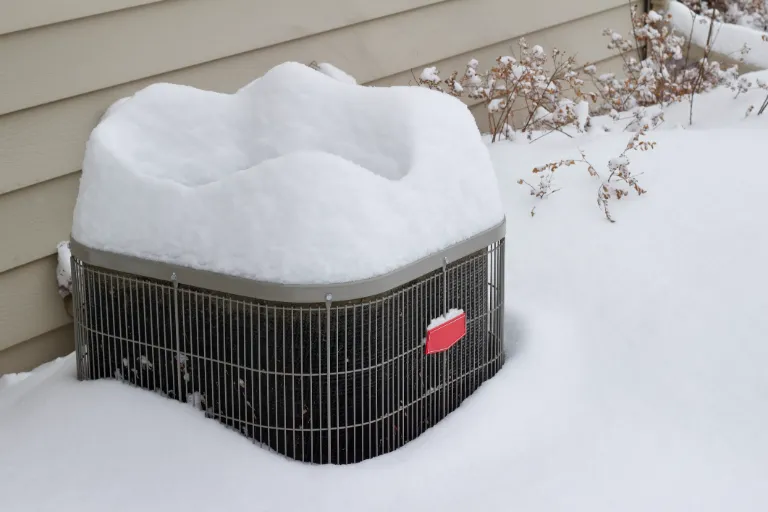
337,382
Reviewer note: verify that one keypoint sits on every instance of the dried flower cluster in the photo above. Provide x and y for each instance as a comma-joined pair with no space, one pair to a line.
619,170
520,92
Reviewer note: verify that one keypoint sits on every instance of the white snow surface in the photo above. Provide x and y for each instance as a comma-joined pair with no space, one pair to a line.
296,178
635,378
12,379
64,268
582,114
450,315
728,39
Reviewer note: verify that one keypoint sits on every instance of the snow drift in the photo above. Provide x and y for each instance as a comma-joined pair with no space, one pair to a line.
298,177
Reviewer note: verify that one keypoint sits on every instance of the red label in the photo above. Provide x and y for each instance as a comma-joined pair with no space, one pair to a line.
447,334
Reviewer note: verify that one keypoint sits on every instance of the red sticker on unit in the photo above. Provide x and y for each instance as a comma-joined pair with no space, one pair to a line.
446,331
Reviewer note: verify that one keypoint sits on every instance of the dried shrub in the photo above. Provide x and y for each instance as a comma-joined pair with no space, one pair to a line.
536,92
666,74
616,185
533,93
526,91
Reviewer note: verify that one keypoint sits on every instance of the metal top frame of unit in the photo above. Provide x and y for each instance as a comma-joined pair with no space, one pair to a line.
287,293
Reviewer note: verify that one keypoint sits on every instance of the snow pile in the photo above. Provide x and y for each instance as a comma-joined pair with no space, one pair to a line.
11,379
727,39
296,178
334,72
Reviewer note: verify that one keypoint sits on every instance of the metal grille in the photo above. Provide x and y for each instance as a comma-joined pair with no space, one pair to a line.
333,382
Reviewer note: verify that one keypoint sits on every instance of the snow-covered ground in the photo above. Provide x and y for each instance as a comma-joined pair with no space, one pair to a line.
636,379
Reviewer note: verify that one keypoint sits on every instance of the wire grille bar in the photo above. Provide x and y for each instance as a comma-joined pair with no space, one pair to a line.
335,382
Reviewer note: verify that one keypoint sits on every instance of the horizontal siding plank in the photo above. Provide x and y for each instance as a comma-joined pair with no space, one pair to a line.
24,14
42,217
30,304
569,37
581,38
66,59
46,142
44,211
32,353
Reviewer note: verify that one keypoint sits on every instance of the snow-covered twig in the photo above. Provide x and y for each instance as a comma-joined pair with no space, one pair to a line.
763,106
618,168
333,72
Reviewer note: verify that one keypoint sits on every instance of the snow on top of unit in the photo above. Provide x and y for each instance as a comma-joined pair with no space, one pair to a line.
298,177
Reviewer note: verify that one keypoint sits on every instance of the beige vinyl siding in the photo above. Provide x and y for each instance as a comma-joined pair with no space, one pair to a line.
29,302
581,37
52,96
73,58
33,352
38,218
84,55
18,15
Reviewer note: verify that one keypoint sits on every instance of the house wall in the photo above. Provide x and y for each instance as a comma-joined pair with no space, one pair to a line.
64,63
